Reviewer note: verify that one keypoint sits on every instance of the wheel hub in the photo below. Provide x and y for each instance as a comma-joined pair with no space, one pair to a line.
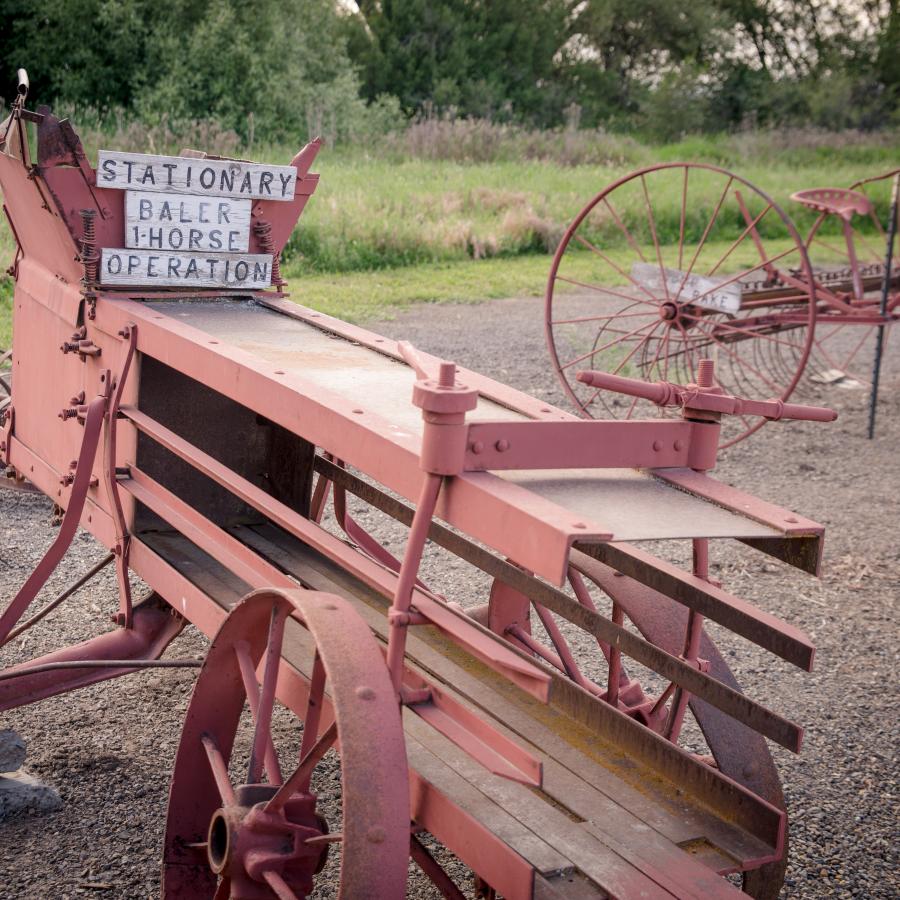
245,841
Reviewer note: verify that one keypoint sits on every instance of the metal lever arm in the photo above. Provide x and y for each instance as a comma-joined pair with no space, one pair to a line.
707,399
445,376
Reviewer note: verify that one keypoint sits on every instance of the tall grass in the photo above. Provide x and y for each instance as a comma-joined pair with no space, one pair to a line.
447,191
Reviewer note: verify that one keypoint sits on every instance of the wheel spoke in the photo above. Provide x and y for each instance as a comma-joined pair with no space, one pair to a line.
299,781
602,290
634,350
744,364
747,332
430,866
595,350
628,236
313,706
608,318
734,278
615,267
684,189
662,268
703,237
219,769
334,837
279,886
740,237
251,688
262,734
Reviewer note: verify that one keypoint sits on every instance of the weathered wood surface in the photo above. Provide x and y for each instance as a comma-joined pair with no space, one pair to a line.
160,268
185,175
689,287
186,222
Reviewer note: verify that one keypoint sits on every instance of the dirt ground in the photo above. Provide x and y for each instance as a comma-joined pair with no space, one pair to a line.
109,749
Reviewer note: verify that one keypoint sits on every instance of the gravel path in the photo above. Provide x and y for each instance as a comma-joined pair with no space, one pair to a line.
109,749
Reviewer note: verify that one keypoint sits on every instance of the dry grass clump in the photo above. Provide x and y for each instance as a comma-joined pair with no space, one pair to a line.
527,231
167,137
481,140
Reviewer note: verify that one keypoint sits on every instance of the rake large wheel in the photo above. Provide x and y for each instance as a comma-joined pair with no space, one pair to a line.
232,833
671,264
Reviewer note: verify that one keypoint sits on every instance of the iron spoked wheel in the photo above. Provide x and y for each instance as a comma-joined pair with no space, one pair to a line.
260,834
671,264
842,346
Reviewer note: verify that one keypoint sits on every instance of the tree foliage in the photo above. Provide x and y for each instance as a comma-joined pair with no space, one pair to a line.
277,67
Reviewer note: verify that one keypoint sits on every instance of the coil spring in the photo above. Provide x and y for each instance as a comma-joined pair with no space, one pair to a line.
89,255
263,231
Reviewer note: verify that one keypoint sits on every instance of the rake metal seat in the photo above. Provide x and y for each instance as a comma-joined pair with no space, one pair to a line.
836,201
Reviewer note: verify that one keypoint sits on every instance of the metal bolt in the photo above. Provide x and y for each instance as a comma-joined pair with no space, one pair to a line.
679,444
477,447
376,834
502,445
447,375
68,414
706,373
365,693
657,445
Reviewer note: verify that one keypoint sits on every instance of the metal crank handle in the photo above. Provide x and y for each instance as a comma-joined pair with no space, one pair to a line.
659,392
775,410
445,374
664,394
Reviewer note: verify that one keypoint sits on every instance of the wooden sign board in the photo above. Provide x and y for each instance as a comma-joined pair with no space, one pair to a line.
189,175
186,222
159,268
690,288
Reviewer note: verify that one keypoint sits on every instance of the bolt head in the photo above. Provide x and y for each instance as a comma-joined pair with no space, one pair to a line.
477,446
502,445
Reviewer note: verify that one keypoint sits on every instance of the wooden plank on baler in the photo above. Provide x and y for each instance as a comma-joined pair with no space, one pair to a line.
532,721
675,821
639,864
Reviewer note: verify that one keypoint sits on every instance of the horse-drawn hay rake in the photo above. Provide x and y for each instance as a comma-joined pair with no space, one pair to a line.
199,432
689,260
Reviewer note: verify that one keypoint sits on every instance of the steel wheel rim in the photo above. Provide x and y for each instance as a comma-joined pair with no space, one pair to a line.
375,789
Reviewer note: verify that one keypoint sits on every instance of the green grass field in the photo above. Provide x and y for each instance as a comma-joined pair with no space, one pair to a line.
379,234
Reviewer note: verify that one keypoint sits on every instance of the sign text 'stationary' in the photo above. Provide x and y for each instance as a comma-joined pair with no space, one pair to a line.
189,175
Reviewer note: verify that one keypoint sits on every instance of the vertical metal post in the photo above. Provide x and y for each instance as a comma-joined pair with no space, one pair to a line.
885,291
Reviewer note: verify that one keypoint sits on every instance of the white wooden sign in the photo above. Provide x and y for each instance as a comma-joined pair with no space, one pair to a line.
186,222
696,289
187,175
158,268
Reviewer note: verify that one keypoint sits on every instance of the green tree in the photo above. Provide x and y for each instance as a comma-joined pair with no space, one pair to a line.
480,57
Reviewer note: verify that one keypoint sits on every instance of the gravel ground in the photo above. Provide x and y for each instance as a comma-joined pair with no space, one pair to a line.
109,749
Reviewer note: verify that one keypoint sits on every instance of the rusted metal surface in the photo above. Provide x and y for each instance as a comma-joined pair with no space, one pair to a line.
243,828
216,410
